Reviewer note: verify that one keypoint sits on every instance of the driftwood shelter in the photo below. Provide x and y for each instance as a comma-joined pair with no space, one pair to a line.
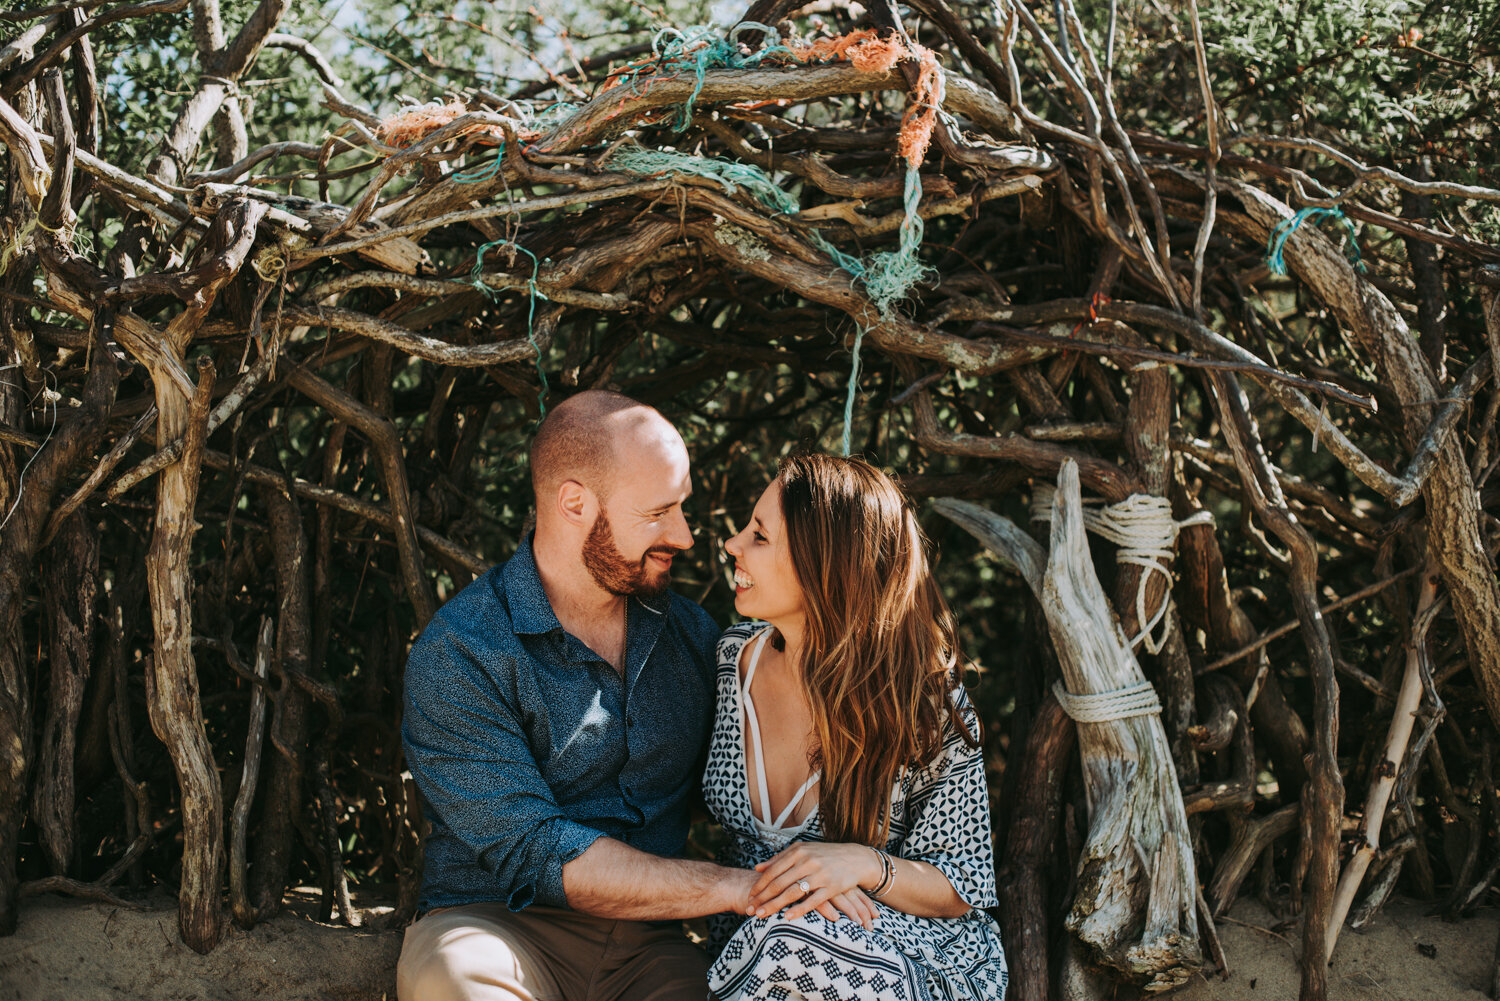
870,228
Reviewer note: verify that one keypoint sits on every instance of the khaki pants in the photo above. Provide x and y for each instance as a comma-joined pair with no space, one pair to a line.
486,952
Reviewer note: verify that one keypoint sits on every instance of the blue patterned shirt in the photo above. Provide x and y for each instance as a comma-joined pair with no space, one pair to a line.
527,746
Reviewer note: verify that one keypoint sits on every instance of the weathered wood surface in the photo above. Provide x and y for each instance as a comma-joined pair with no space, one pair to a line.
70,579
1135,905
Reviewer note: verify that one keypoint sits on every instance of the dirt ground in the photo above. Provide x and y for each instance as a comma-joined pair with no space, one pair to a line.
69,950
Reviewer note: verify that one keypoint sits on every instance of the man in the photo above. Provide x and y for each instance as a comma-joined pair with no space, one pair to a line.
556,711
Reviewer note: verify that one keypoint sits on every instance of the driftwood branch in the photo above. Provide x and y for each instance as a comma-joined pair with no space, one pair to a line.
1136,902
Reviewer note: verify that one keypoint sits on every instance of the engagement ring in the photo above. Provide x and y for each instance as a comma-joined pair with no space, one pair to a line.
805,886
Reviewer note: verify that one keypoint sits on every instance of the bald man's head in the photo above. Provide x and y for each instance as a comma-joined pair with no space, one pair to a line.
589,436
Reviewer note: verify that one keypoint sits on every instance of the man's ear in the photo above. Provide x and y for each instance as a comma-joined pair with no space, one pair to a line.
577,503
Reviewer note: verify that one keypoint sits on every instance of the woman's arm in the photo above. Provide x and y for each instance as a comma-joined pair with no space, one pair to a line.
830,869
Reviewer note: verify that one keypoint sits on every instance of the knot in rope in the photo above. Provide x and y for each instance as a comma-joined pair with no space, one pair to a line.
1143,528
269,262
1101,707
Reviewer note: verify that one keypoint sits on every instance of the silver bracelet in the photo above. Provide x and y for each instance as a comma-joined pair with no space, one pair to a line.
887,874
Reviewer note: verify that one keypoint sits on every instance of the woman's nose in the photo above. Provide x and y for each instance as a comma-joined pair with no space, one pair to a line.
731,546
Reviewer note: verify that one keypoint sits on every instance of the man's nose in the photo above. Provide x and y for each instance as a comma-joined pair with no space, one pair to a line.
680,535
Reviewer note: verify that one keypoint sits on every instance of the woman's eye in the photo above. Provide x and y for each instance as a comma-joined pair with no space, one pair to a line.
758,537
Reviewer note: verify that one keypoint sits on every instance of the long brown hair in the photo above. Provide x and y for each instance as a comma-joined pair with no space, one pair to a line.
879,650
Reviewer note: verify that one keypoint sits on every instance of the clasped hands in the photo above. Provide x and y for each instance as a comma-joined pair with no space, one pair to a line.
817,876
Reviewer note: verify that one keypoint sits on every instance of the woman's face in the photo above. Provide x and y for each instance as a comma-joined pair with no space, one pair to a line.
765,585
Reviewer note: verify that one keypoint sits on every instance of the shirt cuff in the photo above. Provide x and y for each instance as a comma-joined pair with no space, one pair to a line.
572,840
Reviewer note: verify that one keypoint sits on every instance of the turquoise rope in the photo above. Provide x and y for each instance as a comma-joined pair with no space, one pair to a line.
476,279
698,50
890,276
859,336
1287,227
482,173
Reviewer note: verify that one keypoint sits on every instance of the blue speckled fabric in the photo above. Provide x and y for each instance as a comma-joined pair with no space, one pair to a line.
527,746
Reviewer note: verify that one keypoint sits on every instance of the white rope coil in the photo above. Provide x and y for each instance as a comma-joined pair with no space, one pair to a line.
1143,528
1122,703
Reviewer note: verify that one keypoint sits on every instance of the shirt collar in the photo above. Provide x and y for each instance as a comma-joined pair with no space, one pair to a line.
657,605
530,611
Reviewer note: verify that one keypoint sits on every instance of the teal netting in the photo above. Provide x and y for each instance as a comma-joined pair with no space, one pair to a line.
887,277
697,50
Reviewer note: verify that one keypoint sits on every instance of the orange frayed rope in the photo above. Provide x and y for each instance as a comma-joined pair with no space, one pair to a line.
410,126
868,52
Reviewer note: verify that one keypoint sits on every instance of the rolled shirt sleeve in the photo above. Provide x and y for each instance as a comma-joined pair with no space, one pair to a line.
468,752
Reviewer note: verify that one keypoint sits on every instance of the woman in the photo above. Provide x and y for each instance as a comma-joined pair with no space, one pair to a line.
845,765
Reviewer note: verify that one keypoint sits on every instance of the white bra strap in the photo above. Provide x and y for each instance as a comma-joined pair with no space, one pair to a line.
792,803
760,758
753,720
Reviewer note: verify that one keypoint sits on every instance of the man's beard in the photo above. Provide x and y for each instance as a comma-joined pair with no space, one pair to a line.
616,574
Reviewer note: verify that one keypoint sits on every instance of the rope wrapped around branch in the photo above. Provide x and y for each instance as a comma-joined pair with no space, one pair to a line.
1143,528
1101,707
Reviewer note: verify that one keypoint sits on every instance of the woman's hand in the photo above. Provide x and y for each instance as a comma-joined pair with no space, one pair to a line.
852,902
832,873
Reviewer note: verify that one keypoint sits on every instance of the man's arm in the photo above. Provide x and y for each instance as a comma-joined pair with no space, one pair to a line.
467,751
613,880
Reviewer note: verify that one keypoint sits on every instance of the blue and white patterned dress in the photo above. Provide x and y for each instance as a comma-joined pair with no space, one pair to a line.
940,815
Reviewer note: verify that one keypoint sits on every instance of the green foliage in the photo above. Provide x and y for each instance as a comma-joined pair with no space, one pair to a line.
1392,82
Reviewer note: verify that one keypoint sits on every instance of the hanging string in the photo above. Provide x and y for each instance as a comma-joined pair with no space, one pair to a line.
859,336
476,279
1287,227
889,276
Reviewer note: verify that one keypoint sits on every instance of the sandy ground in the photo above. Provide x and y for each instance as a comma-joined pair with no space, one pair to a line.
1403,955
68,950
71,950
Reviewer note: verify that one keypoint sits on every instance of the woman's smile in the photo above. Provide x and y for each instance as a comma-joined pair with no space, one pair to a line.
765,584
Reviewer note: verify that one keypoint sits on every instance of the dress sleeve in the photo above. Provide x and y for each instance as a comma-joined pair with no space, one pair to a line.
947,810
468,753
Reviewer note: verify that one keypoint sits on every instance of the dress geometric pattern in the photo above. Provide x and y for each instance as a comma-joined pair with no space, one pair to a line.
940,814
